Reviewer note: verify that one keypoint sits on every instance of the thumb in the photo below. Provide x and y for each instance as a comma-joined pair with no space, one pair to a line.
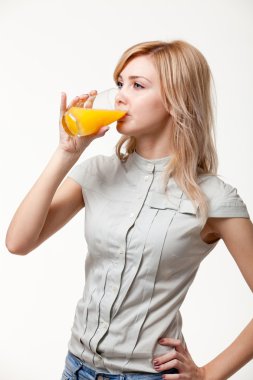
63,104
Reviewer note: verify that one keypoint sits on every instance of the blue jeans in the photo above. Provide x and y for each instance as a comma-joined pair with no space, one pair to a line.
76,369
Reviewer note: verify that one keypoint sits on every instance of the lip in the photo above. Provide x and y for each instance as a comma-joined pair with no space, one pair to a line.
126,116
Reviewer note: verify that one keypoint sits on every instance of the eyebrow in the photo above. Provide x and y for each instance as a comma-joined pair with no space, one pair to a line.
134,77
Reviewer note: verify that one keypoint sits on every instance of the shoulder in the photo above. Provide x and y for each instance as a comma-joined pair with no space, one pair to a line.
99,162
214,187
223,199
97,166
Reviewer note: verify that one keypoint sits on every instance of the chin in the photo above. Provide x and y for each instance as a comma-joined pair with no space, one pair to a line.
124,127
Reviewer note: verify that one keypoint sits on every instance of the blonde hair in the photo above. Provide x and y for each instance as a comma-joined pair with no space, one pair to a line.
185,80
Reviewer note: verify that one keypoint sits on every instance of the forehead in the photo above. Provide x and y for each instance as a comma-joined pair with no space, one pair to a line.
140,66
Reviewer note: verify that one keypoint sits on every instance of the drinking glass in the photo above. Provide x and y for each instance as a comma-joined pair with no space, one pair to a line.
99,110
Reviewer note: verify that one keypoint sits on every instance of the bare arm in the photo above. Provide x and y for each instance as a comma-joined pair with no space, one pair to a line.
46,207
49,205
237,233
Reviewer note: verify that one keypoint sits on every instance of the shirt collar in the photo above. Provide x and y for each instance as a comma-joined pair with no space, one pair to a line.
149,165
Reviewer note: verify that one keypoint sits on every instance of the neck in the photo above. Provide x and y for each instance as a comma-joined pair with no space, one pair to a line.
152,153
150,148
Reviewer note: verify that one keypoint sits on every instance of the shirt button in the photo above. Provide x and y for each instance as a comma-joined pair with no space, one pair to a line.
146,178
131,215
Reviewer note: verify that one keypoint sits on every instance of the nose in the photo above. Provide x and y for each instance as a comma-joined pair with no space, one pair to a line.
121,98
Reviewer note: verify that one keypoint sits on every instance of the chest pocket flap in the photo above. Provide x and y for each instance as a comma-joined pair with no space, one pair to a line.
164,201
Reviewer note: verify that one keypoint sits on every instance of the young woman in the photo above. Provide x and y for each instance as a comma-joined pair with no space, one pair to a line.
153,212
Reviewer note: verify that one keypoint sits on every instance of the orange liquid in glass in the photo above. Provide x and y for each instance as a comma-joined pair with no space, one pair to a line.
86,121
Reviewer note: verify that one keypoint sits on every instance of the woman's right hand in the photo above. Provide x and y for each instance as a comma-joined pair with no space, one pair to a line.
77,144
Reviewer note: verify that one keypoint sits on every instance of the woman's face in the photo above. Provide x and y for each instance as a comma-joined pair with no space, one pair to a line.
139,95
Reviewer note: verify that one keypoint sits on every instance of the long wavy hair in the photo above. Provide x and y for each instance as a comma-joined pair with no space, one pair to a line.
186,89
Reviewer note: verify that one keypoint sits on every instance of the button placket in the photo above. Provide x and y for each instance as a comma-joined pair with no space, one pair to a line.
163,221
90,329
150,167
122,250
106,305
112,293
104,324
148,179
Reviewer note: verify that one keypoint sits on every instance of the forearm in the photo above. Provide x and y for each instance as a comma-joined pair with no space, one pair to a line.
30,216
232,358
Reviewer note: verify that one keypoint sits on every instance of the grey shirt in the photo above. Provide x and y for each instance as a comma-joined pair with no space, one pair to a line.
144,250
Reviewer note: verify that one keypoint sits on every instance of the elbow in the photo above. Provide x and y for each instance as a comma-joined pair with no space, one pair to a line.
15,248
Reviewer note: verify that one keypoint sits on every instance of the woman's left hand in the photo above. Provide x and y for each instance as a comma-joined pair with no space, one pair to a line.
179,358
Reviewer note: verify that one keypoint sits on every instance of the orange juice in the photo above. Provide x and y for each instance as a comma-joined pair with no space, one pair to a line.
85,121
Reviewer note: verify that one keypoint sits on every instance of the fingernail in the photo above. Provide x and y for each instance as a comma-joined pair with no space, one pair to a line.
155,362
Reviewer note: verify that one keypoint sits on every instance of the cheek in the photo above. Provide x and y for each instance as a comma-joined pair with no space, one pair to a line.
152,112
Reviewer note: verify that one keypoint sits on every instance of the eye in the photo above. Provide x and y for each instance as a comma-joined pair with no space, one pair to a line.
119,84
138,85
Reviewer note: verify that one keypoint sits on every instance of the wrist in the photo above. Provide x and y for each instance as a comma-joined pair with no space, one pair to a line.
206,375
62,161
67,157
202,373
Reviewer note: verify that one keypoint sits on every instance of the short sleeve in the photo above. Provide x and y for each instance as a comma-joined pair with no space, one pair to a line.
81,172
223,200
93,171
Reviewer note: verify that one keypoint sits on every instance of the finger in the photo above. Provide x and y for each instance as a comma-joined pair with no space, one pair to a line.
78,101
93,93
175,363
81,100
176,343
90,100
63,103
159,361
101,132
74,102
187,351
171,376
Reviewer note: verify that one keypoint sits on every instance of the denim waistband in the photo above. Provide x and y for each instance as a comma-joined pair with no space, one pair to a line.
83,369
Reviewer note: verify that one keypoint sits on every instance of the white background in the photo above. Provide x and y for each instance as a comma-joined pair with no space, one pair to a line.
73,46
